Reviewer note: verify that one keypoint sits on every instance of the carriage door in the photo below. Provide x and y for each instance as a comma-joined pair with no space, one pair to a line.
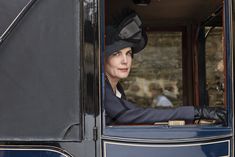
48,75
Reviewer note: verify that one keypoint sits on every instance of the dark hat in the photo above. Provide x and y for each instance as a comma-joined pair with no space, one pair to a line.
127,33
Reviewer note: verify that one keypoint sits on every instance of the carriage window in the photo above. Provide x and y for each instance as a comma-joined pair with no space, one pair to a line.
180,70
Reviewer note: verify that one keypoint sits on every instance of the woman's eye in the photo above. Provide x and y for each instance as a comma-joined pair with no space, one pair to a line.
116,53
129,53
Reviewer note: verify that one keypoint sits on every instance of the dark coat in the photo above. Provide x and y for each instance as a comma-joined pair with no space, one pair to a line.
121,111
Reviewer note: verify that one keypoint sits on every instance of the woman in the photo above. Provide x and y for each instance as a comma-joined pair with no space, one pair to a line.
123,40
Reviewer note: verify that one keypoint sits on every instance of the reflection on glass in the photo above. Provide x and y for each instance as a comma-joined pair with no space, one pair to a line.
215,67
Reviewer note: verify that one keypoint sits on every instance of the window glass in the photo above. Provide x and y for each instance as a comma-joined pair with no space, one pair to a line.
214,67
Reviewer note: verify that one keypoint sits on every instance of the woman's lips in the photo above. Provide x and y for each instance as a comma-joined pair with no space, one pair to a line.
123,69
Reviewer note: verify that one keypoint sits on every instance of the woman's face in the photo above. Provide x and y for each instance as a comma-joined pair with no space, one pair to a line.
117,65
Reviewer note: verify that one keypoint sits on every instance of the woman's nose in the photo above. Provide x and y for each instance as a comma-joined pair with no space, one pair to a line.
124,59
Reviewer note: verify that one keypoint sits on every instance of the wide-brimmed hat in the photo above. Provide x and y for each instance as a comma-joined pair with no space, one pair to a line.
127,33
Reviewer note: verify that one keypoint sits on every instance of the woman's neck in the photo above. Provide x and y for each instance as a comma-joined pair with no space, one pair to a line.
113,82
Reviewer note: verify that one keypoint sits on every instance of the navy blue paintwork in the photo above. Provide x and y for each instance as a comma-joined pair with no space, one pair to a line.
166,132
210,149
30,153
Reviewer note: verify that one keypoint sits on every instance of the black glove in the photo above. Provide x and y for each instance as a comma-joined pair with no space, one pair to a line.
213,113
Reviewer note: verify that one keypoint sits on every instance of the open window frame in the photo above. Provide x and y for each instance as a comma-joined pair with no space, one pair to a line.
192,86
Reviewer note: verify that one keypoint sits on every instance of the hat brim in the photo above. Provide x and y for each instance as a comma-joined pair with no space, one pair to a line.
116,46
121,44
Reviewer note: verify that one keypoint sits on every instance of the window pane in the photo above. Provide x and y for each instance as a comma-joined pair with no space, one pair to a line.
215,67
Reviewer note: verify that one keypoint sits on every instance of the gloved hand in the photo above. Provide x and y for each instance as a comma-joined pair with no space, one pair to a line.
216,113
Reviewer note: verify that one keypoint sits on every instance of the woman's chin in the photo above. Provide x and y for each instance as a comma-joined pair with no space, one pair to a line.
123,76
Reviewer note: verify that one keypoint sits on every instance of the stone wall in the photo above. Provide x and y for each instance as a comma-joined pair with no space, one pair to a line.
157,70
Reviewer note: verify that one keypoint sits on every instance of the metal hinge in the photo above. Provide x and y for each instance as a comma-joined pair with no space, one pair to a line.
95,133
